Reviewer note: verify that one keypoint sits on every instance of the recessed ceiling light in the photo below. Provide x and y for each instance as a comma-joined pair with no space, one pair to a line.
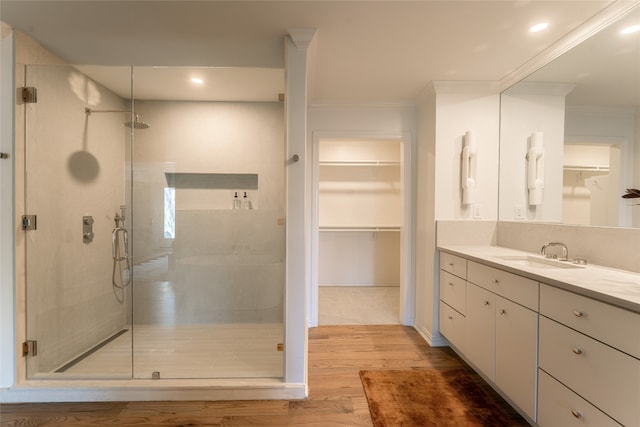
631,29
197,80
539,27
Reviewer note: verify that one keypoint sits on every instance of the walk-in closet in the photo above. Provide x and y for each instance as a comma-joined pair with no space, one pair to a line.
359,227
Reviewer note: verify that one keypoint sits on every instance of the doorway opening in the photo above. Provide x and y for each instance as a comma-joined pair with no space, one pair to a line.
361,261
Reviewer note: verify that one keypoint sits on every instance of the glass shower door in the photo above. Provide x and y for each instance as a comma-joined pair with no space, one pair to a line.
208,234
74,177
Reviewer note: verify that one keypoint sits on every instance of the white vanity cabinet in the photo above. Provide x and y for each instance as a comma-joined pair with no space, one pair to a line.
480,331
453,290
504,332
516,362
589,354
490,316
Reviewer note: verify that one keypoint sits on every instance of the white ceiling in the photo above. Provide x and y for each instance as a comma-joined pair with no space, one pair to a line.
604,68
367,51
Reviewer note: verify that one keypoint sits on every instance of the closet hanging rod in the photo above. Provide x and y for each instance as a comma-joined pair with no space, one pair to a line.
364,228
358,163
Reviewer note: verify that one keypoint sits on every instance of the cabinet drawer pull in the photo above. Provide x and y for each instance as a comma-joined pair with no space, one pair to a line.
450,283
450,317
451,264
578,313
495,281
503,311
576,414
576,350
486,303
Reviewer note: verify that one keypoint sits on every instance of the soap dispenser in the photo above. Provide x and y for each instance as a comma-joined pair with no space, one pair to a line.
236,201
246,204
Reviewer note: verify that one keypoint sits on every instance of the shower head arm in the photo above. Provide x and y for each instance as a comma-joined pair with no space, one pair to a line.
135,122
90,111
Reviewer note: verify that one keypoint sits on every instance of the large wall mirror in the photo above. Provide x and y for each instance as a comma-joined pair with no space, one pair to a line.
570,134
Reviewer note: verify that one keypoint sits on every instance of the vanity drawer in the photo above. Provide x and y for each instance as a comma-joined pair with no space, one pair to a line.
511,286
452,325
453,291
559,406
613,325
453,264
604,376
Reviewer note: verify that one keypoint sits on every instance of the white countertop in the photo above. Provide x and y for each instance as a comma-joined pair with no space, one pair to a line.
618,287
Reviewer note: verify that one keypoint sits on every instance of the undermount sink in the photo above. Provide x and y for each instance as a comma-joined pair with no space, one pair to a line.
535,262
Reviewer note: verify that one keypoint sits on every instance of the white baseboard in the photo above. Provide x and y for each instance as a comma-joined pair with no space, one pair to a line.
436,340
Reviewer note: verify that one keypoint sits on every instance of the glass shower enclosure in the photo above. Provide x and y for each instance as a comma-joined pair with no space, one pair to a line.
154,238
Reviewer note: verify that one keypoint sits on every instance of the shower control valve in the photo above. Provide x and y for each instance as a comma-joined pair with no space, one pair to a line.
87,229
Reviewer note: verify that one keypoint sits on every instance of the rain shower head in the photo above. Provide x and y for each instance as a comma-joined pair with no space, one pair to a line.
136,124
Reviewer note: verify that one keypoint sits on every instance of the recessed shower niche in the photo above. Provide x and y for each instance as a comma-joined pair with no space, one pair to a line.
215,190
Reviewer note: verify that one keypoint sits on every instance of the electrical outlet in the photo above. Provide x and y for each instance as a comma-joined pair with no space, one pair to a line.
477,211
518,212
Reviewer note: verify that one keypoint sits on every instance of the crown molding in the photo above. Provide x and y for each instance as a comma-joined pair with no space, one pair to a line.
541,88
590,27
302,37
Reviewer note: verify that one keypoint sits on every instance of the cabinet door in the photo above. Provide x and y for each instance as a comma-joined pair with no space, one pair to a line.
516,340
453,291
452,325
480,330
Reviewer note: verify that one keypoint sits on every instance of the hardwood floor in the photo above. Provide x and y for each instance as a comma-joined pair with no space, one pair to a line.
336,396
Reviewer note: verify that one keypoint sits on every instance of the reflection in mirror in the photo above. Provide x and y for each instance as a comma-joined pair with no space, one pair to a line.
586,105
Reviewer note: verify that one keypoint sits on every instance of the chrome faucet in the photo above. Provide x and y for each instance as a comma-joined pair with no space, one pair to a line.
565,251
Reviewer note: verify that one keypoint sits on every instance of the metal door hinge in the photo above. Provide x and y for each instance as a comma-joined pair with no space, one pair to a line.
280,347
281,97
29,348
29,95
29,222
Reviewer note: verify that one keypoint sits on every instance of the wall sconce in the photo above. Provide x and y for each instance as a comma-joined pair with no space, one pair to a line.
535,169
468,170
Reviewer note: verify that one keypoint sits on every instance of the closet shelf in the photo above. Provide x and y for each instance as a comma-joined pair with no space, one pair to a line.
358,163
360,228
586,168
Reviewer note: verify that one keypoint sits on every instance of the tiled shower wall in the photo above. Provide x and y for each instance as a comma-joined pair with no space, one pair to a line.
74,167
226,265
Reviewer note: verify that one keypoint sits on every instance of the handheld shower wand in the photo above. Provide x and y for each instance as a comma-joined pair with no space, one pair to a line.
120,250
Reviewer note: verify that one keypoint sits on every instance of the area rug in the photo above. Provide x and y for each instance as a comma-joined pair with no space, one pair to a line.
431,398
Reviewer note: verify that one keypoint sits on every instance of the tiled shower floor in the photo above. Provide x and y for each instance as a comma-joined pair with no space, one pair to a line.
189,351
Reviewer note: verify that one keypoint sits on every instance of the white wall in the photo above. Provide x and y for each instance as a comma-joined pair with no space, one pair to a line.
426,256
529,108
447,111
457,113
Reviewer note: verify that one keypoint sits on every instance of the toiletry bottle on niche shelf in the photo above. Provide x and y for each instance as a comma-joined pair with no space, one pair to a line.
236,201
246,204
